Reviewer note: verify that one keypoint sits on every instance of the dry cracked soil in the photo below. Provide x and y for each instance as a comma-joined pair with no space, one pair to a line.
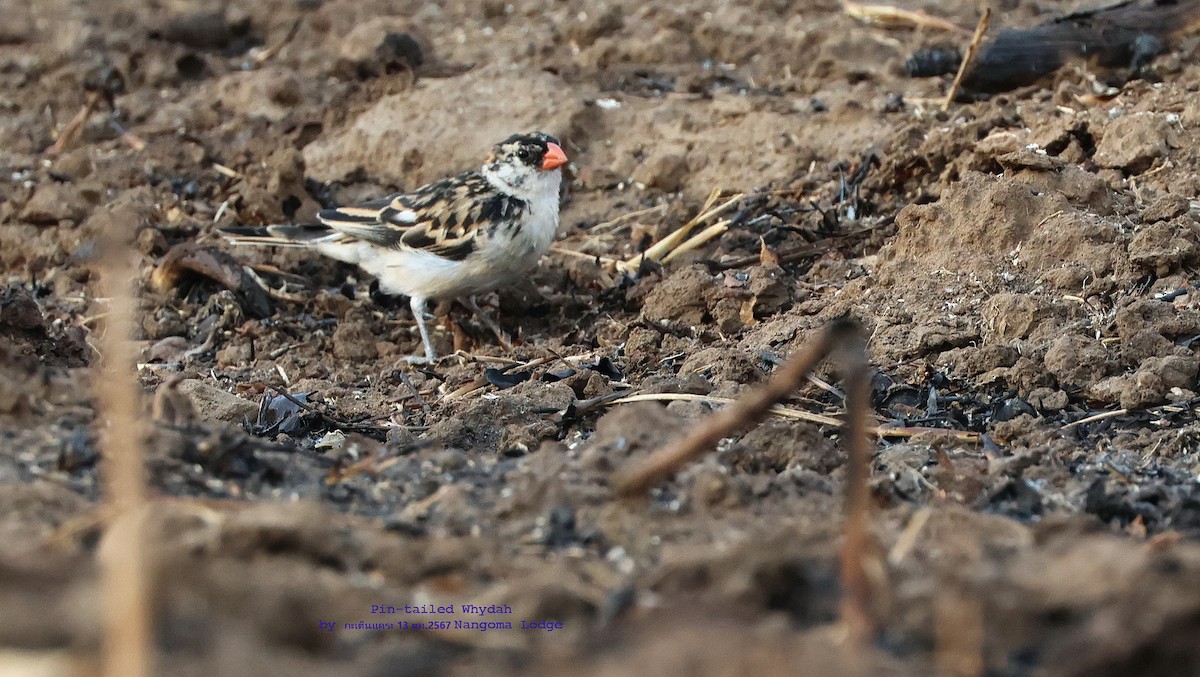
1024,266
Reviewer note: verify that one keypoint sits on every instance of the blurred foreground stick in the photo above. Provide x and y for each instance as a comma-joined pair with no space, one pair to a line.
858,565
122,551
1126,35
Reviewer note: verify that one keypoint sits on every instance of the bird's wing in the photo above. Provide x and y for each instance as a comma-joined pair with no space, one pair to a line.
444,218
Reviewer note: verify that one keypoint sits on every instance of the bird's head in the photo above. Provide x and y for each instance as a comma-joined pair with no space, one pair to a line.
524,163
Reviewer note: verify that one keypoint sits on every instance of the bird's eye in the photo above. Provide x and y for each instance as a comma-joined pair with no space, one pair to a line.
523,153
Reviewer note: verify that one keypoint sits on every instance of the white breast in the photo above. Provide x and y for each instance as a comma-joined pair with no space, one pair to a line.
510,253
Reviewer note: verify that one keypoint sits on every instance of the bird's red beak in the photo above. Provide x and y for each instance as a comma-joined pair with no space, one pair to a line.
554,158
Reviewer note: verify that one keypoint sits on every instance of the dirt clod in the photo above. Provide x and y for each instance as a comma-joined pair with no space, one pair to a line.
1133,142
1076,361
54,202
681,299
1164,246
354,340
213,404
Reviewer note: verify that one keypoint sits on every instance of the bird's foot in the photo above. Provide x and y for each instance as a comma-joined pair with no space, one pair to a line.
501,337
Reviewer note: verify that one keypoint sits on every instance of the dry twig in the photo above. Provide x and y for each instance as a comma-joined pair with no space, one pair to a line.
270,52
73,127
774,410
1095,417
481,382
228,172
665,246
745,411
908,538
623,219
699,239
792,413
886,15
132,140
802,251
968,57
584,255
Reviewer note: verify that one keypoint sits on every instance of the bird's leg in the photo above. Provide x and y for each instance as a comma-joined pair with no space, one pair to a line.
501,337
418,310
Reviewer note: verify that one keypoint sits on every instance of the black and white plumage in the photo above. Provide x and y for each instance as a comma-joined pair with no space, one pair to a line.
453,238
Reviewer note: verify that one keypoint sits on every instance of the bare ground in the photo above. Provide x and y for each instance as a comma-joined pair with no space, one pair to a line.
1021,264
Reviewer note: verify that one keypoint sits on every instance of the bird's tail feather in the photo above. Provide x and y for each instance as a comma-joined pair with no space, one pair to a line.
281,235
